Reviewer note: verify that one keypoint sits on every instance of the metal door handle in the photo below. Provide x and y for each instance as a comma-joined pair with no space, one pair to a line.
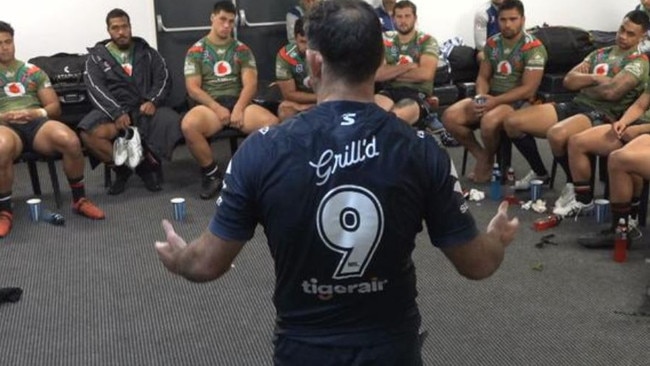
162,28
244,22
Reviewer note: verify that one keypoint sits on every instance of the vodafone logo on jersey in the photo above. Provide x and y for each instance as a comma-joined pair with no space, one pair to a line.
504,68
222,68
128,69
601,69
405,59
14,89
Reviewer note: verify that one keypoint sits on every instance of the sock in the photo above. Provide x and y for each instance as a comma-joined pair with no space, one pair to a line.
78,188
620,210
528,148
634,210
564,163
583,192
210,170
5,201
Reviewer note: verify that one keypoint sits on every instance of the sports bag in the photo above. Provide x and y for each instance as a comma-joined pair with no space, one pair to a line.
62,67
566,46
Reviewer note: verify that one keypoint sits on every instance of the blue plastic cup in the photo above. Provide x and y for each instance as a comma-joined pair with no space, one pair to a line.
602,210
34,205
178,208
536,189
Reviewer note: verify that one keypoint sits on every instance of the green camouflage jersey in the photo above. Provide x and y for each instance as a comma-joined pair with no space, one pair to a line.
397,53
19,85
509,62
219,66
645,118
609,61
290,64
124,58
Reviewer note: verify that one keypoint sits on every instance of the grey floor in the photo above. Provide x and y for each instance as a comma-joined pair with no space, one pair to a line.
95,294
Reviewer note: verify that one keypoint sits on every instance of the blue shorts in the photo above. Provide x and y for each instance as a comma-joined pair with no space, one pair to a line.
404,351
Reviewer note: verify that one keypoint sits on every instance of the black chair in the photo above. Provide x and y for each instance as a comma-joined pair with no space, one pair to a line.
31,158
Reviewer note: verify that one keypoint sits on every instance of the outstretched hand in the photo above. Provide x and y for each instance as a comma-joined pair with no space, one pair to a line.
171,250
503,227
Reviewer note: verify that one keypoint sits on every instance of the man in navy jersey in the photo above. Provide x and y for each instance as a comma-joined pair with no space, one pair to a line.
345,286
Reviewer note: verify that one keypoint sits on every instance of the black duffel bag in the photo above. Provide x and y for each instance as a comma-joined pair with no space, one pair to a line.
566,46
62,67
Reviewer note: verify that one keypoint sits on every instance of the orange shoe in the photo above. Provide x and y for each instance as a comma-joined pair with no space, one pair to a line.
86,208
6,220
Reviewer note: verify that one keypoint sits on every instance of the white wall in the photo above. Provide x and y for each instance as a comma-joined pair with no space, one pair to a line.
45,27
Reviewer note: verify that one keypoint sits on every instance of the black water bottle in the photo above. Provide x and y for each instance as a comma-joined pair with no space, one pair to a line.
52,217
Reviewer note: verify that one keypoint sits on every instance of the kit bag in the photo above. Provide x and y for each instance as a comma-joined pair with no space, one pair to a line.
566,46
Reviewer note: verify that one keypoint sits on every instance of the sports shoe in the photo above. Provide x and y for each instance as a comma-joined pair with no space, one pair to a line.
120,153
134,149
86,208
148,177
524,183
432,124
448,140
603,239
121,177
574,208
567,195
6,220
210,186
633,231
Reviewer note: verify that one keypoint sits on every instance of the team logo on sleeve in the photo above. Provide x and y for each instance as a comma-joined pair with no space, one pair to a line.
405,59
601,69
222,68
14,89
189,68
504,68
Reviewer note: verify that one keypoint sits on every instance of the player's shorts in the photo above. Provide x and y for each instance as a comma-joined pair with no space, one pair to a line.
401,93
27,131
405,351
568,109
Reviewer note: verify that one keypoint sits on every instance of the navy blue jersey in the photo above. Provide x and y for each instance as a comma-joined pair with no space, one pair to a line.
341,191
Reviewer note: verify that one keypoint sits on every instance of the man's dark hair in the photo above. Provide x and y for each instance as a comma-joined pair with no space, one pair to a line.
117,13
639,17
225,6
299,28
6,28
348,35
512,4
405,4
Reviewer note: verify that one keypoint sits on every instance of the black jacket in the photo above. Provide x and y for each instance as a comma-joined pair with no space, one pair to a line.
113,92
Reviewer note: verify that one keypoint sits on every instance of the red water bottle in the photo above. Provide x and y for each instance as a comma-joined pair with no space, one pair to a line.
621,242
510,182
547,222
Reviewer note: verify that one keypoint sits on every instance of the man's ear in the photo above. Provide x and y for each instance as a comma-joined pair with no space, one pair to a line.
315,62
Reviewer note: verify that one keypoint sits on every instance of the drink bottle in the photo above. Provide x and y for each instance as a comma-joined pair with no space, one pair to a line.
547,222
495,183
621,242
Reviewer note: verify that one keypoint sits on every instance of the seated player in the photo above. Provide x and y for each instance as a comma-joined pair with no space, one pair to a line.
29,107
221,77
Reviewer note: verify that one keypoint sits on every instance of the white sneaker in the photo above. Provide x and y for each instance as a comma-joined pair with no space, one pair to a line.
134,149
574,208
524,183
567,195
633,230
120,153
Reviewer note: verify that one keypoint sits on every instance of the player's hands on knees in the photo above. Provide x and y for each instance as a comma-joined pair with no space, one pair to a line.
148,109
170,251
237,117
618,127
123,121
502,226
223,114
